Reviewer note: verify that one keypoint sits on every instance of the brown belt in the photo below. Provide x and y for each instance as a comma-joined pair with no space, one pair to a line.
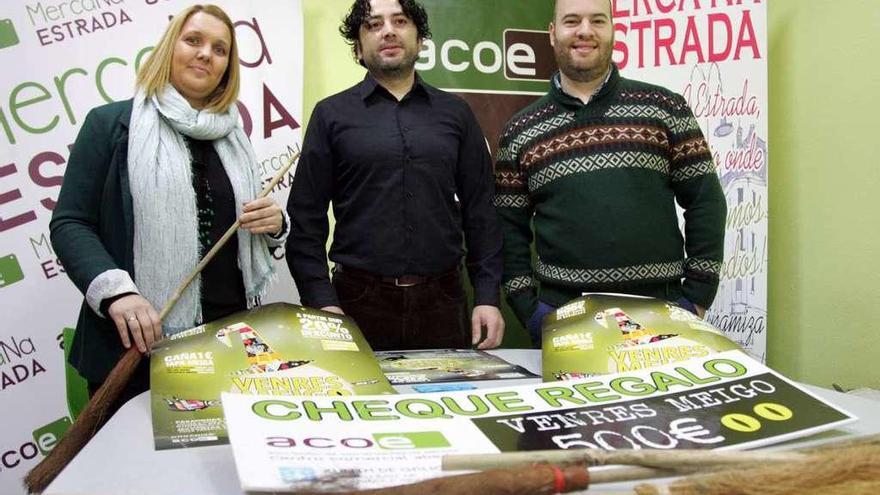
401,281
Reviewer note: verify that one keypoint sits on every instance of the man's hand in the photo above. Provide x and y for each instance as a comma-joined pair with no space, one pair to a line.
134,315
333,309
489,317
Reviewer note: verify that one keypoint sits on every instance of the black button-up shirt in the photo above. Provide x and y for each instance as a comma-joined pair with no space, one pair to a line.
406,179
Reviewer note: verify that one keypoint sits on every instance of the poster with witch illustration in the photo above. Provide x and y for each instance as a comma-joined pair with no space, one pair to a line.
278,349
597,334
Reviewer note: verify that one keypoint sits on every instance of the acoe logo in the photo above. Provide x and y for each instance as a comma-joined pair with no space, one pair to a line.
523,54
384,441
44,439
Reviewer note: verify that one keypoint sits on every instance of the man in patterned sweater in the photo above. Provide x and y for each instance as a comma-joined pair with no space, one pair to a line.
598,164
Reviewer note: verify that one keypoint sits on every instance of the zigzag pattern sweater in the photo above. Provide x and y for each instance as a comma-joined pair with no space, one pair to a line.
600,181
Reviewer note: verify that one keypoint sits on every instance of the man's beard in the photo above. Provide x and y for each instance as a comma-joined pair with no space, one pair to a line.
583,73
389,69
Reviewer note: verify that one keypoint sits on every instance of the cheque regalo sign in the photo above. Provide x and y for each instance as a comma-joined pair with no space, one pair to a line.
725,400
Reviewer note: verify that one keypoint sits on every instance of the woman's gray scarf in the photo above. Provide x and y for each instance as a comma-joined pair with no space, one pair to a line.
166,237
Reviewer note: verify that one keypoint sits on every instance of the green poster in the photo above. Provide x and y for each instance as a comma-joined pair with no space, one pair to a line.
495,54
613,333
277,349
491,46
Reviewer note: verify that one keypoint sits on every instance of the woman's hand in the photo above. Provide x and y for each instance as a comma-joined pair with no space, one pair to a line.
262,216
134,315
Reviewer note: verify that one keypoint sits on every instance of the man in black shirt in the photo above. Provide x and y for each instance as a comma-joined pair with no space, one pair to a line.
407,169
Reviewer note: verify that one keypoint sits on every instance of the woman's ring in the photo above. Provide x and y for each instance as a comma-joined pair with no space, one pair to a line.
132,318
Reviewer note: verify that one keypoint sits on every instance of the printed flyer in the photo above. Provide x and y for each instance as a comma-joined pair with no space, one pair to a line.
446,365
611,333
279,349
720,401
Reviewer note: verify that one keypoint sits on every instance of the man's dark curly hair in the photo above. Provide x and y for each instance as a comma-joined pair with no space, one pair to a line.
360,13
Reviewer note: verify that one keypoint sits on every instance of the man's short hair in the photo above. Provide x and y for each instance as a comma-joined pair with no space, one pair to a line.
360,12
610,7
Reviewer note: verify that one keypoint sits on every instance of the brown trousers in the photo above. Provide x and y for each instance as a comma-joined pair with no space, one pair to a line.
429,315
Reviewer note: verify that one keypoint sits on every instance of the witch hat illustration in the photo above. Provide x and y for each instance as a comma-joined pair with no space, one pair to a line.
260,355
633,332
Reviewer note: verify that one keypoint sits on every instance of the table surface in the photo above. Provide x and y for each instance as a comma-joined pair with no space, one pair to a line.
120,459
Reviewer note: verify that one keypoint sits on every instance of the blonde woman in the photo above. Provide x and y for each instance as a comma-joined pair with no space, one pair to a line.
151,185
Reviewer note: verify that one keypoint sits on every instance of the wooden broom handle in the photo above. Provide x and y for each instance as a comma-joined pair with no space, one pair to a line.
663,459
222,242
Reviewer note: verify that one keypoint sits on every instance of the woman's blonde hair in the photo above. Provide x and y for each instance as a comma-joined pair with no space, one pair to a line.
155,74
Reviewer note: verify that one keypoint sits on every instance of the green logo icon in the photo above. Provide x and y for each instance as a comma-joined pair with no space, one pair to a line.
412,440
8,36
10,270
48,436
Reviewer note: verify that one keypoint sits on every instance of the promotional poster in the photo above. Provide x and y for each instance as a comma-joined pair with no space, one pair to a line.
721,401
446,365
611,333
279,349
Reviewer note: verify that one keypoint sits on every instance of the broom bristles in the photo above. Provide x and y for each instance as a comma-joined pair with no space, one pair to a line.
838,471
847,488
85,426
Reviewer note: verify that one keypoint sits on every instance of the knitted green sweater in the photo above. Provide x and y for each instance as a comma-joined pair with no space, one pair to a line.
600,181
